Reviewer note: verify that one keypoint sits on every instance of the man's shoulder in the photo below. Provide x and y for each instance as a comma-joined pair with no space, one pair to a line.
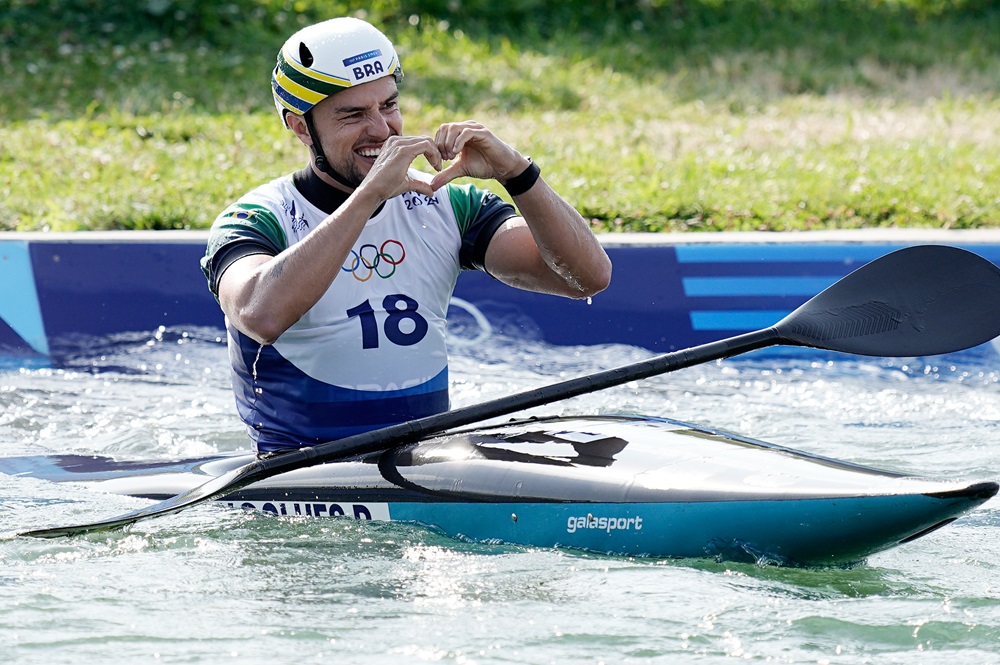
260,217
277,202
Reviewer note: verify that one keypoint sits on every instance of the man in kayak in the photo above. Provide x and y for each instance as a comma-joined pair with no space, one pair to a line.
335,280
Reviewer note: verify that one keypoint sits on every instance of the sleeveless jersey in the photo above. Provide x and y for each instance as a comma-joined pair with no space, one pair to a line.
371,352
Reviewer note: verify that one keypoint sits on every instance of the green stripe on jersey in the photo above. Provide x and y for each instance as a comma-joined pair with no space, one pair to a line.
466,201
240,218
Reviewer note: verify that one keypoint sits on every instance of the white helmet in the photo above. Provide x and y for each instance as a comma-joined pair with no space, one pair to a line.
327,57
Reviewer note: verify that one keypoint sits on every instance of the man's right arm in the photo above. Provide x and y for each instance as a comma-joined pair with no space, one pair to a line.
263,296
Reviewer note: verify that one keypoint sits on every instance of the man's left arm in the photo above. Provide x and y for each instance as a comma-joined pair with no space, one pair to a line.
550,247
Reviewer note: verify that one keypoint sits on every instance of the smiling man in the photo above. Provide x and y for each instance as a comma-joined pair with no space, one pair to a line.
335,280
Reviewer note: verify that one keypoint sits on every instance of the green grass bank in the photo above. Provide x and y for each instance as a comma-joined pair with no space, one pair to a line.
649,115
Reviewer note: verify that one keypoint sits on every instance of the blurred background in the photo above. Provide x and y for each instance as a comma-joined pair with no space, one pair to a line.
650,115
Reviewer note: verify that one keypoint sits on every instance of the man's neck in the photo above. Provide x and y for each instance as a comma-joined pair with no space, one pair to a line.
325,196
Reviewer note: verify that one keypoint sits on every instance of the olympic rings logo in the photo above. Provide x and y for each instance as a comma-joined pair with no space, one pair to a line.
370,260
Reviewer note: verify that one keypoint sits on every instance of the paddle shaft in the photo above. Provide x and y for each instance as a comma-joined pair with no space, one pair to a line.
412,430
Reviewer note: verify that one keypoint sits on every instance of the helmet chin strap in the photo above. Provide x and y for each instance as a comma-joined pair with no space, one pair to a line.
320,159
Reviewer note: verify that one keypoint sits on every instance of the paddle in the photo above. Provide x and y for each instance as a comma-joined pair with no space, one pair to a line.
918,301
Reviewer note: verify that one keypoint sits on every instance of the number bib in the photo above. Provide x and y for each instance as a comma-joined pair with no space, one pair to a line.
381,326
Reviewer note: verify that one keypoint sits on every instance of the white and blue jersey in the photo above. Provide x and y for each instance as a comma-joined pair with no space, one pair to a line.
371,352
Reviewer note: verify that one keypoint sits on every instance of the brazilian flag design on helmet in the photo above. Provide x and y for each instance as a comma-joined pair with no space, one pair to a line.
325,58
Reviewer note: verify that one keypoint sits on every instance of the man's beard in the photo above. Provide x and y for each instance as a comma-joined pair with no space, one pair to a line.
352,175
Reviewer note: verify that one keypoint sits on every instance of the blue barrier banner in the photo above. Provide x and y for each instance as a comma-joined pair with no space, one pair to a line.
667,292
21,323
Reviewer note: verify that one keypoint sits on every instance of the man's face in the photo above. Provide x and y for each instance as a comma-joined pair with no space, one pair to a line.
354,123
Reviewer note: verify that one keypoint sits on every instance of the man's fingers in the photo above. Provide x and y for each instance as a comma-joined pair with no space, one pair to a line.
452,137
389,175
446,176
411,147
420,186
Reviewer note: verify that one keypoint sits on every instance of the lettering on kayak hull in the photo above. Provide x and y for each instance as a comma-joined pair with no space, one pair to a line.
358,511
607,524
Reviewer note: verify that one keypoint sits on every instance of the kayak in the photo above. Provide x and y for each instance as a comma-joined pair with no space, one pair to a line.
620,485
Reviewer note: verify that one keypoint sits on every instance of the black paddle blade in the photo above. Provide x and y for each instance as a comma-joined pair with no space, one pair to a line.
917,301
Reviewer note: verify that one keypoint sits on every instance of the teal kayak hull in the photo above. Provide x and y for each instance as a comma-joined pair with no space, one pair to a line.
618,485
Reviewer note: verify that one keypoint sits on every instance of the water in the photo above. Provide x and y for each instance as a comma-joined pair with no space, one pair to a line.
209,585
